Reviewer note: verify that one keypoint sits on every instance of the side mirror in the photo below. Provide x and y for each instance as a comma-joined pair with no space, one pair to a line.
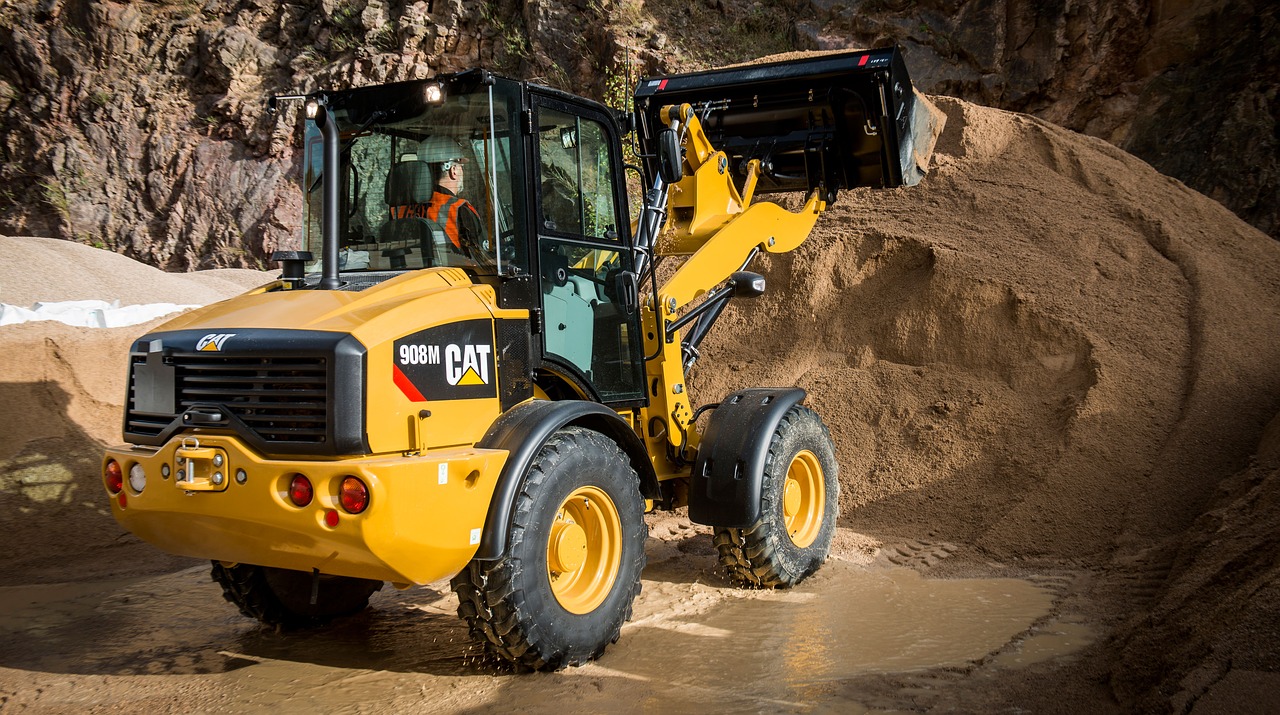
670,161
747,284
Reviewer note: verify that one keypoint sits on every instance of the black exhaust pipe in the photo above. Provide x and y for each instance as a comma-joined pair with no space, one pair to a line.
331,192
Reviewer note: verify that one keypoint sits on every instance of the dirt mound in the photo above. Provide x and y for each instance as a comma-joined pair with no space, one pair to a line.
48,269
1046,350
62,390
1212,629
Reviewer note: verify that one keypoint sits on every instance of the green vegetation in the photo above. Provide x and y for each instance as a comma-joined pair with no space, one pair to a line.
348,33
101,97
385,38
55,195
618,13
617,96
700,36
764,29
308,58
510,39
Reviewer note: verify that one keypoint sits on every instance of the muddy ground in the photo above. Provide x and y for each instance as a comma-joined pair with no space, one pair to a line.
911,626
1053,379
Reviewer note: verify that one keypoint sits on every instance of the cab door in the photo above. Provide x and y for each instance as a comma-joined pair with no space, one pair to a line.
591,326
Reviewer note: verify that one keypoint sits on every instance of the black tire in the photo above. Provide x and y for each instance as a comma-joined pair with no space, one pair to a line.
510,605
766,555
282,598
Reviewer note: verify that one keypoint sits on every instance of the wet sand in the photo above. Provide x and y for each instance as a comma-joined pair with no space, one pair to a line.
695,644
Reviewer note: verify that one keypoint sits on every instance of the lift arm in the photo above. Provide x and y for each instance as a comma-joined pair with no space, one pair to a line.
816,126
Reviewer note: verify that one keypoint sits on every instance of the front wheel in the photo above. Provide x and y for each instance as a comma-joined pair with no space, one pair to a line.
572,566
798,508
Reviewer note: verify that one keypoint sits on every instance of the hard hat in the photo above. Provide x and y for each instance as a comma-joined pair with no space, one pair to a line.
440,148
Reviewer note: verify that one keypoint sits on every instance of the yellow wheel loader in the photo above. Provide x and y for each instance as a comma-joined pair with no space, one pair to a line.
473,370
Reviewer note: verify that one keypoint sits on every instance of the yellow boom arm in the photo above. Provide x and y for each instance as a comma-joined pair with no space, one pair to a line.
715,224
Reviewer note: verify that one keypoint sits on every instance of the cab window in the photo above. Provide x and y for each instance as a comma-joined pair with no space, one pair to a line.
576,175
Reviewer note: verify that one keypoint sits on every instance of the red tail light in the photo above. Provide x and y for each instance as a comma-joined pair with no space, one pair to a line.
300,491
353,495
114,476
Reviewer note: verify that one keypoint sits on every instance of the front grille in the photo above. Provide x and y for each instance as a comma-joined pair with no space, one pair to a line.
279,399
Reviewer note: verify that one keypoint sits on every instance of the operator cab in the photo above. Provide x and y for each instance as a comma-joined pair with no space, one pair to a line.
518,185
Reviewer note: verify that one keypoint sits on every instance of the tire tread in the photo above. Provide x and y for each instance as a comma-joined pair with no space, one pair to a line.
751,557
496,613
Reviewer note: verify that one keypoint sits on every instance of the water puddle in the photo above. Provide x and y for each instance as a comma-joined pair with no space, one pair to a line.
796,650
844,623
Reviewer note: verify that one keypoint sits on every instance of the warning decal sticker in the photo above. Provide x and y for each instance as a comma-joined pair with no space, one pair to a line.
449,362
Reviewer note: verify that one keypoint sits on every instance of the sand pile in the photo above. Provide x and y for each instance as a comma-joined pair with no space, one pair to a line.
62,391
1047,350
1210,635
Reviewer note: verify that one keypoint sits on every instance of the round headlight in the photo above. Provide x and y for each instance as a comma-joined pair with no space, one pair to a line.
137,478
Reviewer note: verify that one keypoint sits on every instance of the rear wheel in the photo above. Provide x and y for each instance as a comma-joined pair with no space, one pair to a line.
572,567
798,508
282,598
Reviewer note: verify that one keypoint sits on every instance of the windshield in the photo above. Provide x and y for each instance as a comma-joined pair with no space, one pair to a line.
423,183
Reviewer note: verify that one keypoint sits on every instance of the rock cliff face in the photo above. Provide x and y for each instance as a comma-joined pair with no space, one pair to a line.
141,126
1190,87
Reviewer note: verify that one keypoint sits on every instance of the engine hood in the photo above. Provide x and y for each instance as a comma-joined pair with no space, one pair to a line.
413,300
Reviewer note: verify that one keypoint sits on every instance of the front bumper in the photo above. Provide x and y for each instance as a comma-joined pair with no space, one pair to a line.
424,519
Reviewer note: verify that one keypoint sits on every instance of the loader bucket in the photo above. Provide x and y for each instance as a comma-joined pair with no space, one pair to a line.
826,122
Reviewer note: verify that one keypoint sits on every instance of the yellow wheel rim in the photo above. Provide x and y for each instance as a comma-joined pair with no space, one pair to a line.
804,499
584,550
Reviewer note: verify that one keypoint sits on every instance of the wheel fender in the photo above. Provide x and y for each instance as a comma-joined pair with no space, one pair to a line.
728,475
523,430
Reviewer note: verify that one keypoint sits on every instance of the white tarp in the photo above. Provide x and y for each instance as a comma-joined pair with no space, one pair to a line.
88,313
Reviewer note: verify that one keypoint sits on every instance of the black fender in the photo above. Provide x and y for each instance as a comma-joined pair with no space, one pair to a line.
728,475
522,430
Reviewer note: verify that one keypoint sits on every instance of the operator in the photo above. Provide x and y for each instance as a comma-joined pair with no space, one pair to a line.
453,214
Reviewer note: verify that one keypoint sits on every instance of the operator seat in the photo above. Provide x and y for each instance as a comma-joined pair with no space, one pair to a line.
408,193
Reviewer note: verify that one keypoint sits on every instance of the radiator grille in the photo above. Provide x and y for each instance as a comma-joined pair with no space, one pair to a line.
281,399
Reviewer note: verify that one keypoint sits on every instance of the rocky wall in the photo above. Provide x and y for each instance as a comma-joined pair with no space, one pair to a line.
1190,87
140,127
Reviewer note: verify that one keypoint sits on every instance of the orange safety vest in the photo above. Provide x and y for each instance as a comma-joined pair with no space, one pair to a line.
443,210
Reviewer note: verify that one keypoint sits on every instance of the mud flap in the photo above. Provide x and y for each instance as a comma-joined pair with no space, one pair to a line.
727,476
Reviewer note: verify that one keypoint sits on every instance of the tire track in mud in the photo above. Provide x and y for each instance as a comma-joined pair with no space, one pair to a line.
918,555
